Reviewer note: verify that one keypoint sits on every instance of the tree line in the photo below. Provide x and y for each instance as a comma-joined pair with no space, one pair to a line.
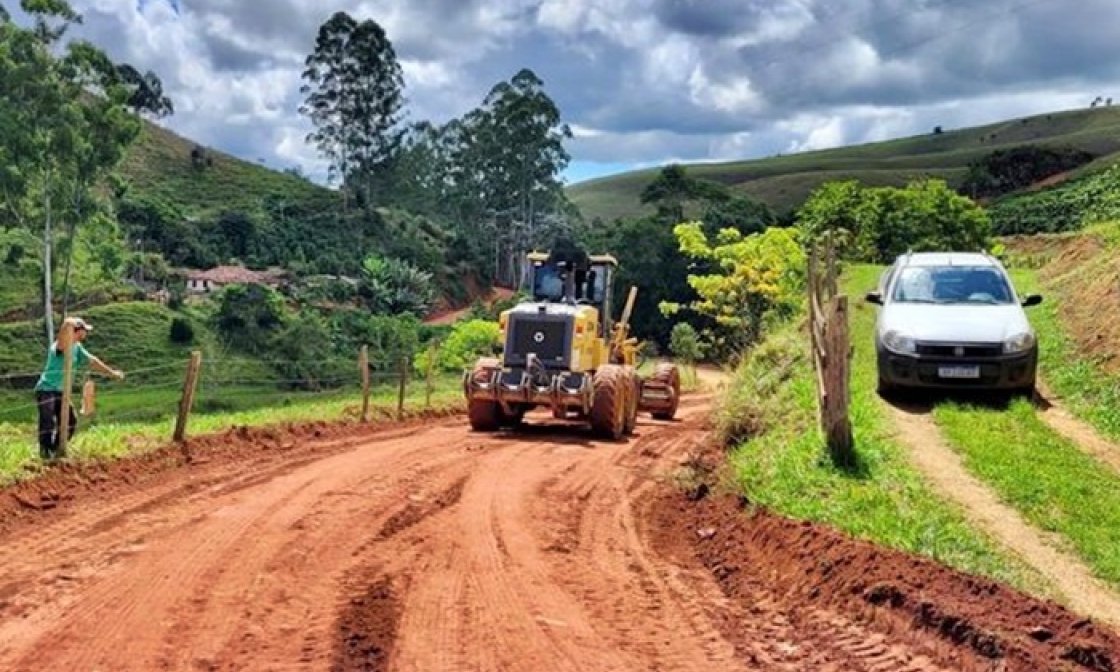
490,178
443,201
67,117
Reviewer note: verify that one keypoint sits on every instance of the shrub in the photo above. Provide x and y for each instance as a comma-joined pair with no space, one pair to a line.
685,343
468,340
181,331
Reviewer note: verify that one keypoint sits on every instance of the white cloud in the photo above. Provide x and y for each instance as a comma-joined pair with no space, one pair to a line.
640,81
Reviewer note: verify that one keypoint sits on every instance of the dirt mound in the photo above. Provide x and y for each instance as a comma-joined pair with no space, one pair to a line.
1081,274
971,622
445,314
60,486
423,545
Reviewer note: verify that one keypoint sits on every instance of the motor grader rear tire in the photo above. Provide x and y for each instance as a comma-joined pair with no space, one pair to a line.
634,390
668,375
609,407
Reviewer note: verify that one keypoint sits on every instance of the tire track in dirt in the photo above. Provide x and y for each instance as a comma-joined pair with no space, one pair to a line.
433,548
1080,433
96,531
230,576
943,467
547,564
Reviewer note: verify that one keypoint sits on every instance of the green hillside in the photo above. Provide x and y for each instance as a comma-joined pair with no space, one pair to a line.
132,336
783,182
160,165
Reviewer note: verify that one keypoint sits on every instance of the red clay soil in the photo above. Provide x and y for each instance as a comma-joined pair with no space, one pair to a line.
449,315
963,621
1081,275
425,546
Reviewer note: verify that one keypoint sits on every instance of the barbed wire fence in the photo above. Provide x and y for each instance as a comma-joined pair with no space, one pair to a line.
162,401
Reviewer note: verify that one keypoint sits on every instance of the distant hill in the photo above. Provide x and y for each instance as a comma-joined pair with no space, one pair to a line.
160,164
783,182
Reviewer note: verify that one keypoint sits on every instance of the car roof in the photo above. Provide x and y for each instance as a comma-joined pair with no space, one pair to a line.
947,259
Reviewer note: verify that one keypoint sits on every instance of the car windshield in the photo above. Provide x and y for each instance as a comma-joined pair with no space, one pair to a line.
952,284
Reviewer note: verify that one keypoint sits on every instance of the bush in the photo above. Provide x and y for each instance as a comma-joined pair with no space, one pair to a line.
181,331
685,343
467,341
876,224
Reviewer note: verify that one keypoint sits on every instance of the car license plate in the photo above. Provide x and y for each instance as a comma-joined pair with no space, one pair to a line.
959,371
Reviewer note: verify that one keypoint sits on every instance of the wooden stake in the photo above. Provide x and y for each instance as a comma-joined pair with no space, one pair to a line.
67,393
187,400
433,351
363,367
403,385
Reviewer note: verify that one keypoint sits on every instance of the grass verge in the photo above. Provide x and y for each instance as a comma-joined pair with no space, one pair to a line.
1086,390
1054,484
1046,477
19,451
780,462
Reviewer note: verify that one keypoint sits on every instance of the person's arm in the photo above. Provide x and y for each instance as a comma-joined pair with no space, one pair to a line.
104,368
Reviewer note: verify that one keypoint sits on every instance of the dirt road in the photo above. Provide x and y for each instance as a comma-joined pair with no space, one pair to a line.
427,547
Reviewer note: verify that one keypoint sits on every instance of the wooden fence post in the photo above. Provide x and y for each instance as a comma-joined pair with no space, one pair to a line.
403,386
363,367
839,430
831,352
186,402
67,394
433,352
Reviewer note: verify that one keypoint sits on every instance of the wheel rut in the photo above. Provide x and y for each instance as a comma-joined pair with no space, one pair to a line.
430,547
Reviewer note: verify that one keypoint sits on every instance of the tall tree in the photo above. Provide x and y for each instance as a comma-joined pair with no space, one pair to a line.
145,92
64,127
36,135
512,158
354,87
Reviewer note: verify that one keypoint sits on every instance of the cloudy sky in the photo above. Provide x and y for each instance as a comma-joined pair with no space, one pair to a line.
641,82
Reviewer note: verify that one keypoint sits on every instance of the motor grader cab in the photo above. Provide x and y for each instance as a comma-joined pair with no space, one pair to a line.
562,350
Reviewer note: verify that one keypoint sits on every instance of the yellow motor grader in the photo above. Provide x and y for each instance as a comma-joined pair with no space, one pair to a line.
561,350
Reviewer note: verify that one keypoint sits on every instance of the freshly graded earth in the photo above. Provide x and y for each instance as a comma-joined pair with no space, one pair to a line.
424,546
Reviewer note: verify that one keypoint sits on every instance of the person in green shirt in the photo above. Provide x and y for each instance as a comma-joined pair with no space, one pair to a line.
48,391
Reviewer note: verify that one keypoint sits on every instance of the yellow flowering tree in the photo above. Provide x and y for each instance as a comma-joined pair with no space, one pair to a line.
744,281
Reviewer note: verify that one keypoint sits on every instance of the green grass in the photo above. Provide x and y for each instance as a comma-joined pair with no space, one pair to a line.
134,337
885,500
215,411
783,182
1054,484
1086,390
159,164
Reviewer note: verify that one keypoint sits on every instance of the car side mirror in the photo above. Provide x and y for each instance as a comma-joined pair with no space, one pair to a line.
1032,300
874,297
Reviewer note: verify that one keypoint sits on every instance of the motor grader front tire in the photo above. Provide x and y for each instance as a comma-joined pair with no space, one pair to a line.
668,376
609,407
485,415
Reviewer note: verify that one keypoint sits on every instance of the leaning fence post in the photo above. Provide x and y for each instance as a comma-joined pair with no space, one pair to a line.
363,367
402,387
187,400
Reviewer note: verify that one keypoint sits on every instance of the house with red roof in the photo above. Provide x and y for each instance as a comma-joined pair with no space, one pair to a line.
213,279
